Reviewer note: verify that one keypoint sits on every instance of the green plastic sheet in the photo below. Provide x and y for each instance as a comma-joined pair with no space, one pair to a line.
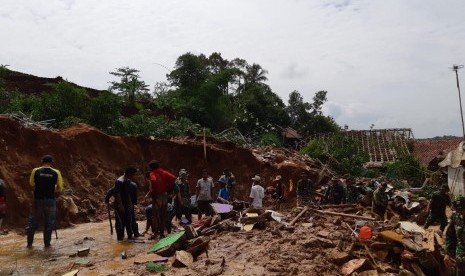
169,240
153,267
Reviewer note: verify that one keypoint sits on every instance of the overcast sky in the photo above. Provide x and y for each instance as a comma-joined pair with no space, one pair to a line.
382,62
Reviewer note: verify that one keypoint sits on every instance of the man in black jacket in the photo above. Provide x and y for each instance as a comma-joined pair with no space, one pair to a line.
125,194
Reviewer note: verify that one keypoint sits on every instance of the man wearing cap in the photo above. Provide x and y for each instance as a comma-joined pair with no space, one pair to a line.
224,193
257,193
162,182
228,178
455,238
437,208
182,196
46,181
304,190
380,200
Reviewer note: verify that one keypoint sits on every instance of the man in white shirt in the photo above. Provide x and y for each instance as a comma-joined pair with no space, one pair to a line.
204,194
257,193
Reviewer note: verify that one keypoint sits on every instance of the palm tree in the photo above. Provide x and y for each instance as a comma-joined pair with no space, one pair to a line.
255,74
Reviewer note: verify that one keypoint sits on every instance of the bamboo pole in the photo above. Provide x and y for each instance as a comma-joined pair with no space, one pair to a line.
342,214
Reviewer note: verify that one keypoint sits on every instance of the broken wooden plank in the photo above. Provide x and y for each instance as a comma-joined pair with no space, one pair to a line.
299,215
338,205
342,215
416,268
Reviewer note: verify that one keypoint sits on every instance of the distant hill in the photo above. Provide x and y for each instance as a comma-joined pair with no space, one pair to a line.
33,85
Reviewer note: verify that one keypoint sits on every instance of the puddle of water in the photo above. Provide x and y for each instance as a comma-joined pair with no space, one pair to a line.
42,261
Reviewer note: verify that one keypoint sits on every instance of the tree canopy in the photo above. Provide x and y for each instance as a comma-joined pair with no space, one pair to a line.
201,91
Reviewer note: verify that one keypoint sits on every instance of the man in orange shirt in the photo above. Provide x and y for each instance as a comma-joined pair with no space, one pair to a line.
161,182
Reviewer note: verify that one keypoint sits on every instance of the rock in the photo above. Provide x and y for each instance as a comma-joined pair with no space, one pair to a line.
339,257
183,258
352,266
323,233
83,252
317,242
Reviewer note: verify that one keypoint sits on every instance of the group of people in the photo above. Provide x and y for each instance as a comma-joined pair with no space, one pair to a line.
171,196
335,191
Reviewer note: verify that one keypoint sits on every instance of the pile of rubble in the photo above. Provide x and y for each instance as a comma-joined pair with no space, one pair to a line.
325,240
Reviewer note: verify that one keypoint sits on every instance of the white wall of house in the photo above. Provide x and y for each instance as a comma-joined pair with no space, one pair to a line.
455,181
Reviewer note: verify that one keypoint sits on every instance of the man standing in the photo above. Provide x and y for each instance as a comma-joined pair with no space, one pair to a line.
46,181
183,196
335,193
204,192
228,178
380,200
124,194
352,191
224,193
437,208
161,182
279,189
2,203
455,238
257,193
304,190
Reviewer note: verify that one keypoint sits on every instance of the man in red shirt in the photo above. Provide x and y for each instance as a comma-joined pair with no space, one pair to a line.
161,182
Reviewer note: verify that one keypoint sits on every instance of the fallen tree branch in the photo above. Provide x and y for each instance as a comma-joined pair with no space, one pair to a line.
299,215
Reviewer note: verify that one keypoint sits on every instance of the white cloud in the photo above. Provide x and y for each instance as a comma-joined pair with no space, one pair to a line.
382,62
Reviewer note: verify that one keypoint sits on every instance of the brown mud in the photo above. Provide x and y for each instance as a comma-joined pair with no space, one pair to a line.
90,161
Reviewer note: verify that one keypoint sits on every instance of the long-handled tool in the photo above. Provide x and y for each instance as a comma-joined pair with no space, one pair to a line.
56,233
109,218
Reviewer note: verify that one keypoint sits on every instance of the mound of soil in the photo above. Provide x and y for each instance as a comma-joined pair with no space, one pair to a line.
90,161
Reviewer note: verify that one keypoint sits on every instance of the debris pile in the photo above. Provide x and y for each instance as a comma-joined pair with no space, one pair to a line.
324,240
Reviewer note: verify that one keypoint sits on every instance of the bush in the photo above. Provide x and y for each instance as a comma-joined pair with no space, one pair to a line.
405,167
340,152
270,139
158,127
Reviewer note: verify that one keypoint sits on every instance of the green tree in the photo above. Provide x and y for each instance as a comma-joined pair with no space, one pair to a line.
340,152
105,109
307,118
64,100
190,72
257,107
129,85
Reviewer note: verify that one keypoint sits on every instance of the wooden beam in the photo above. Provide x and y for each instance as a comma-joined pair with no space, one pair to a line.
299,215
342,214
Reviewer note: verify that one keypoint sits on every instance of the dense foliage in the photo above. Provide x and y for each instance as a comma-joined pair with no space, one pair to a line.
405,167
340,152
200,92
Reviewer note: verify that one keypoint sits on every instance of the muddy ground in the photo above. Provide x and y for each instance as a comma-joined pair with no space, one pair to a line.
258,252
